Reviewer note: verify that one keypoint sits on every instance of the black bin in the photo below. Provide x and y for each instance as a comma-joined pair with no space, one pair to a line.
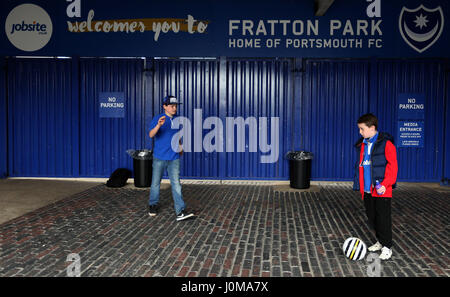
142,167
299,169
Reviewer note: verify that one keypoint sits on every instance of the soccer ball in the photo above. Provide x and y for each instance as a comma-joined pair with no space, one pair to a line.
354,248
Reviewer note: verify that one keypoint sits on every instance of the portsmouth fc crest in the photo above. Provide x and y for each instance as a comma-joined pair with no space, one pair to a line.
421,27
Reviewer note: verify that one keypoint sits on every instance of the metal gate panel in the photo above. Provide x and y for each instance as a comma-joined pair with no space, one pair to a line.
3,121
229,88
335,94
41,118
446,161
104,141
195,84
427,77
260,88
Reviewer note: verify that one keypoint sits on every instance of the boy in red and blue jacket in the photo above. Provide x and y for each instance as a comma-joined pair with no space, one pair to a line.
377,164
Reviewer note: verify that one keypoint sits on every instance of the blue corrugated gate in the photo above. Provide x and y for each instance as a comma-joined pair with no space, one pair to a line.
446,171
54,128
42,118
335,94
3,122
262,89
416,76
103,142
221,89
196,84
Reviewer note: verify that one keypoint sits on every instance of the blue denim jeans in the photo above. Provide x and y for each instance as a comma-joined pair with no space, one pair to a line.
173,169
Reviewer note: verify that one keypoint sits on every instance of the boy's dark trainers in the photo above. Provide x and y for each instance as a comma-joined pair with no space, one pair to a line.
152,210
183,215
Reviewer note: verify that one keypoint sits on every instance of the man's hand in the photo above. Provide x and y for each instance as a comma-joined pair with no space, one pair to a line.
181,148
161,121
155,130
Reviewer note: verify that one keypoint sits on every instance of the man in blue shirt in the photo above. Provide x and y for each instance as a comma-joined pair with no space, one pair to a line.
165,158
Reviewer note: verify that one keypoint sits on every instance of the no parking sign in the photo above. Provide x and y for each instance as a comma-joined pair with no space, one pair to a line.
112,105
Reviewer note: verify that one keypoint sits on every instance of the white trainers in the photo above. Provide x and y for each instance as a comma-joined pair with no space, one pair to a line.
386,253
376,247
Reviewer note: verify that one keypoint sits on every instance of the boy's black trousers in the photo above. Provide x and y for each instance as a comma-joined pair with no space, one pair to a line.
378,211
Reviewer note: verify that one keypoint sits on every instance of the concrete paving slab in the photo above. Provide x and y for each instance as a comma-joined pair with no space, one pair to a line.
20,196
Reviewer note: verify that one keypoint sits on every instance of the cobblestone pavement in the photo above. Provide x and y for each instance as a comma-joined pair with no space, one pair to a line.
241,230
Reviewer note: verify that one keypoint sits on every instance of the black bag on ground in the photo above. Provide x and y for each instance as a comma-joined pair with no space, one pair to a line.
118,178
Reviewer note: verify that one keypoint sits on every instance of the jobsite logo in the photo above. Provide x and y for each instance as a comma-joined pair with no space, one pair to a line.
28,27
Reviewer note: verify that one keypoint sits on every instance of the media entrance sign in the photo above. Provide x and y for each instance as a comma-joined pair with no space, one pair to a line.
411,116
